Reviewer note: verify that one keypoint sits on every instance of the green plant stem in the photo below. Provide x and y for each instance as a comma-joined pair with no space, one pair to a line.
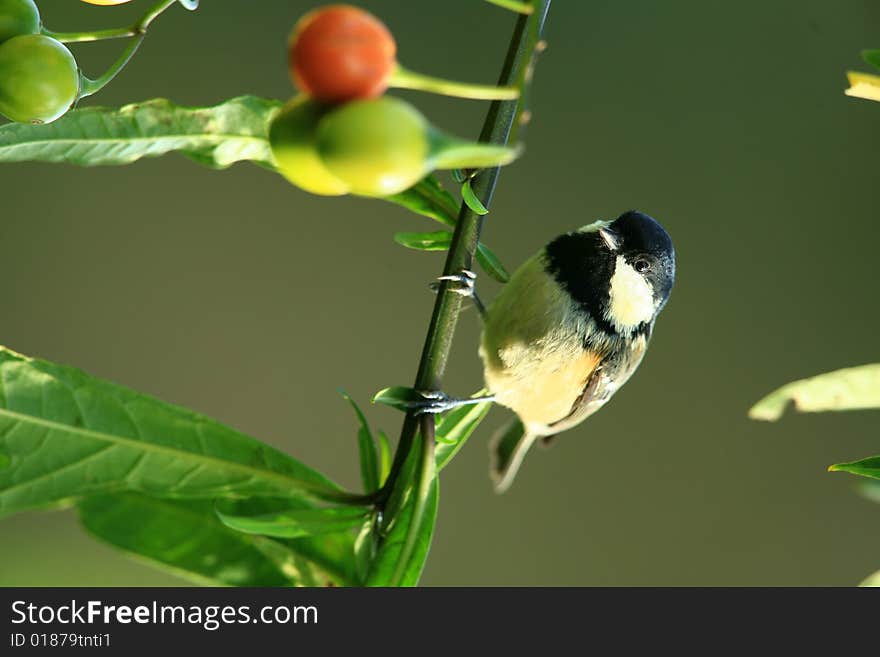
89,86
114,33
403,78
94,35
500,120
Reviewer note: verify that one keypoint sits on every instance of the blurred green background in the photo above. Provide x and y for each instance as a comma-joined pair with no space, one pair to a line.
244,298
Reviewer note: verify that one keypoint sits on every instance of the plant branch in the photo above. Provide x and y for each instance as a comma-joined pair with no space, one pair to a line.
138,29
403,78
497,128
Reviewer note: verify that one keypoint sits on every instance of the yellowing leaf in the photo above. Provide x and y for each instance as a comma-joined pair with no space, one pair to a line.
863,85
872,581
842,390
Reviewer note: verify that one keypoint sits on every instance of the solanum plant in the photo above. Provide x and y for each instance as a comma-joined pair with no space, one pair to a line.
176,487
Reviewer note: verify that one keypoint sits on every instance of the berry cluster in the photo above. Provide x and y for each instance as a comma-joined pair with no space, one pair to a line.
342,135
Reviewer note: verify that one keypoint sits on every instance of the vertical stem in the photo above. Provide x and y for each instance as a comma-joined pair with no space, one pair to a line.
500,121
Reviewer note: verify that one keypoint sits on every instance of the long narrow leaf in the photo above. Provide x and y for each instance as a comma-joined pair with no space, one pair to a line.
454,429
842,390
430,199
435,241
366,448
385,563
295,523
217,136
491,263
869,467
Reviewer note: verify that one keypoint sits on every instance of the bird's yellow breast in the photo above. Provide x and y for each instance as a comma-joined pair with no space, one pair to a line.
532,347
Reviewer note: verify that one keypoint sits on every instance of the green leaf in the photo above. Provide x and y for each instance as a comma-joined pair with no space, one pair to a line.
872,581
332,553
454,429
399,397
216,136
365,548
491,264
872,57
69,434
366,447
869,467
386,560
384,457
842,390
186,538
436,241
295,522
470,199
430,199
863,85
385,564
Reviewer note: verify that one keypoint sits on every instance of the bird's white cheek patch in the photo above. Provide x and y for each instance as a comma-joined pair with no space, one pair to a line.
631,297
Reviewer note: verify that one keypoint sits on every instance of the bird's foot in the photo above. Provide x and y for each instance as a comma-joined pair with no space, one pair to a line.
436,401
462,283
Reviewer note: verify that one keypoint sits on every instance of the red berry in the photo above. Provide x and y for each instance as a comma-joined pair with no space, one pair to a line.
341,53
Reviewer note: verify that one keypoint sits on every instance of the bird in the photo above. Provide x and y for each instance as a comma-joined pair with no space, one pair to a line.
570,328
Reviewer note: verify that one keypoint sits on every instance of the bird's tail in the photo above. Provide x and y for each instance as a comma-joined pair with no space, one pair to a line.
507,449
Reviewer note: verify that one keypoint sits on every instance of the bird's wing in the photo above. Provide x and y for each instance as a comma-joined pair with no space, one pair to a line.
603,382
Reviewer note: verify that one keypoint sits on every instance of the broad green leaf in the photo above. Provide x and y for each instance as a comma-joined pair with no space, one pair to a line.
186,538
216,136
399,397
842,390
872,57
435,241
430,199
455,427
366,447
872,581
69,434
294,522
869,467
470,199
863,85
491,263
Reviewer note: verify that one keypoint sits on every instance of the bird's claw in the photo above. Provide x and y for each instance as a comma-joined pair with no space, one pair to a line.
463,283
432,402
436,401
466,282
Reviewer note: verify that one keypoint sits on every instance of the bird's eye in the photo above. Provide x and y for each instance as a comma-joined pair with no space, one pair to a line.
641,265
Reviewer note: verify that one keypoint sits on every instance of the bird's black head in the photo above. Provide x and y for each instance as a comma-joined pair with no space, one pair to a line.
621,272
